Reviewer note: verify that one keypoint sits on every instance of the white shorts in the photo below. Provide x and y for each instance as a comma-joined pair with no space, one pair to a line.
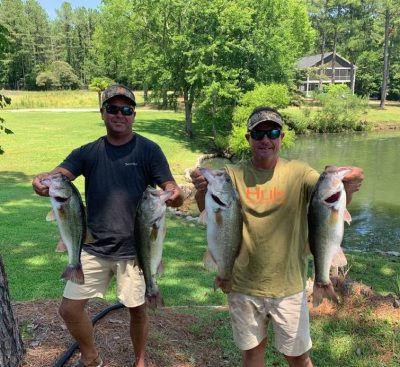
98,273
289,316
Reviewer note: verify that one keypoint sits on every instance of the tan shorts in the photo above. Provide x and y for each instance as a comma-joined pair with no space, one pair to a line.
290,319
98,274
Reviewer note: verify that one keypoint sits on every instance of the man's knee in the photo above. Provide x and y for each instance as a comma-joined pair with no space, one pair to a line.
70,309
138,313
302,360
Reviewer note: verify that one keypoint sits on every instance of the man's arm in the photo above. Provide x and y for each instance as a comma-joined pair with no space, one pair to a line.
352,181
177,197
42,190
200,184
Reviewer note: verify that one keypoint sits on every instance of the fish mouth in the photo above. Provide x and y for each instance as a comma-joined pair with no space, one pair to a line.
218,200
333,198
60,199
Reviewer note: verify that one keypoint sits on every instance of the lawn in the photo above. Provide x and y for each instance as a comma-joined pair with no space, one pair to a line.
357,334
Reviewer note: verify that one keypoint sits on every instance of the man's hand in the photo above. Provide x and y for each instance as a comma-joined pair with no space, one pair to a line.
37,185
43,190
177,197
198,180
352,181
200,184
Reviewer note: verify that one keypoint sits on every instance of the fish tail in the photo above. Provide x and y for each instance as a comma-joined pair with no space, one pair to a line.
61,246
73,273
155,299
321,291
224,284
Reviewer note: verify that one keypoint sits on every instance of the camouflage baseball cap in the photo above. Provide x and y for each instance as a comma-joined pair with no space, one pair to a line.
117,90
261,116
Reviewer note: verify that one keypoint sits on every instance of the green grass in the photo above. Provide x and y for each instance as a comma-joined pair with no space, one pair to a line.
57,99
374,115
27,243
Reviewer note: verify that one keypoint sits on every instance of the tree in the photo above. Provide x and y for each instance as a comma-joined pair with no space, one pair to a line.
99,85
11,346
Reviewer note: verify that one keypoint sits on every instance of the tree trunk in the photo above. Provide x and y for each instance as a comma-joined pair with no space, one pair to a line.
11,347
334,56
145,94
385,60
321,71
188,113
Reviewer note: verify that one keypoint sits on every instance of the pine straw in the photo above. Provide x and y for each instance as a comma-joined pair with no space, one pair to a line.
174,339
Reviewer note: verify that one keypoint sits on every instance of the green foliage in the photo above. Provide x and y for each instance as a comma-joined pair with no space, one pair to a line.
59,75
47,80
271,95
3,102
340,110
99,84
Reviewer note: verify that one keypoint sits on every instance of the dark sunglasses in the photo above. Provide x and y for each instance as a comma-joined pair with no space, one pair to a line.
113,110
259,134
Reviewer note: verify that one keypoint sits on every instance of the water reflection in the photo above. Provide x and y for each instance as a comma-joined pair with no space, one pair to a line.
376,208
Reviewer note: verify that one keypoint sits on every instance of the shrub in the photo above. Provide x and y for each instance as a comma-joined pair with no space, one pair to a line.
340,110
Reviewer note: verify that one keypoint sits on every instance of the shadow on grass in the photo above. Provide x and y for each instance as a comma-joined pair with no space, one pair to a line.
13,177
174,129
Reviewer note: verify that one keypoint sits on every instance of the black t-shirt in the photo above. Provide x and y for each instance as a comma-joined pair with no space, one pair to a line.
115,179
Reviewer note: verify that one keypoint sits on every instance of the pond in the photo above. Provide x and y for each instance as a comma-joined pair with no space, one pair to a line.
375,209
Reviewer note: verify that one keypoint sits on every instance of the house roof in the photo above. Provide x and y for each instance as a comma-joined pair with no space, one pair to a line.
315,60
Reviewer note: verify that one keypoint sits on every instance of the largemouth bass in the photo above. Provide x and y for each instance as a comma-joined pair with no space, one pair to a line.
326,216
150,233
69,212
224,226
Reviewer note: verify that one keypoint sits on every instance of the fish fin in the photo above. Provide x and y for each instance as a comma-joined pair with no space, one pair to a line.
61,246
50,216
334,216
347,216
160,268
321,291
154,299
339,259
209,261
203,217
73,273
154,233
224,284
218,218
89,237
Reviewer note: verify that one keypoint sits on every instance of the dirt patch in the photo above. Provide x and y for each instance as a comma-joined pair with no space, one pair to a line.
178,337
174,340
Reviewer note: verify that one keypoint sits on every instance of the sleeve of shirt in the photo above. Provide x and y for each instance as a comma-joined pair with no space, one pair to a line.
160,170
74,162
310,179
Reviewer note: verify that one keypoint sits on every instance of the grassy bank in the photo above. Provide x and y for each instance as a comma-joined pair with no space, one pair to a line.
374,115
57,99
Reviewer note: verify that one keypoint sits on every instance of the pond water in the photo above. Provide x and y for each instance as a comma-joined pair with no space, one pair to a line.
375,209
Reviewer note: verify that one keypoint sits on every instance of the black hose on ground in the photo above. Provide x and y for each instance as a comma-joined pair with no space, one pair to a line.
70,351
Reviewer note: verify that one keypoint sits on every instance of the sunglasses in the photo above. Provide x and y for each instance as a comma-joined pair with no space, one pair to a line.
271,134
113,110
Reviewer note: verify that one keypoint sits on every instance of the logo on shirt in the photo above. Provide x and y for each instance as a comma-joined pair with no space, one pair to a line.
131,164
258,196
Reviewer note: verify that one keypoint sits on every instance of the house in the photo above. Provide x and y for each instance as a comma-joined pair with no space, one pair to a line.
316,72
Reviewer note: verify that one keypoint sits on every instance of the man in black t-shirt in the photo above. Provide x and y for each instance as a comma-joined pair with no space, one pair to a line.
117,169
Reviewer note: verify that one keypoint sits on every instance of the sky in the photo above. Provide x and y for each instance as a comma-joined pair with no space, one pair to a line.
51,5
